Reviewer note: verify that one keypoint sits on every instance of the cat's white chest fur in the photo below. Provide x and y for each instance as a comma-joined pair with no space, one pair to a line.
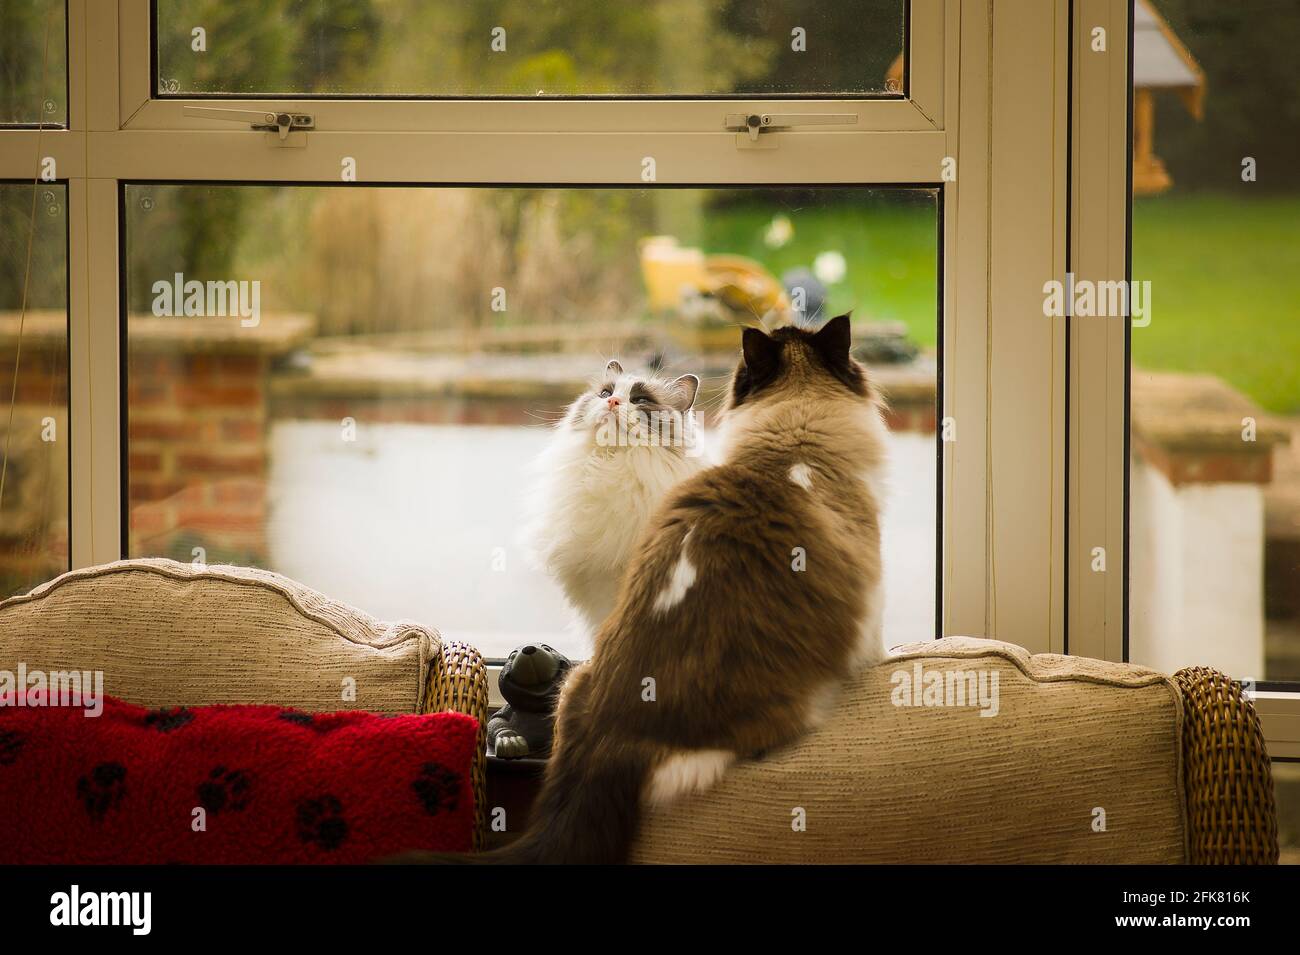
590,507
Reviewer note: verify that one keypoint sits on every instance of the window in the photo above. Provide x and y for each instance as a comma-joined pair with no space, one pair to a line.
850,171
1286,785
33,384
1215,484
416,48
367,422
951,189
34,426
33,64
423,420
1214,481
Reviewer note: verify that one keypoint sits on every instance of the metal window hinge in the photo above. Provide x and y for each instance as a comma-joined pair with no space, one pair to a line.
750,125
290,127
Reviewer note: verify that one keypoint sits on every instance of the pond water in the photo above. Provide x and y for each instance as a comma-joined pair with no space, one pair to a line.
421,522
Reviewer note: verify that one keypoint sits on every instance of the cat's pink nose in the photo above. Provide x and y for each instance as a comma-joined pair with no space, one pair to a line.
613,402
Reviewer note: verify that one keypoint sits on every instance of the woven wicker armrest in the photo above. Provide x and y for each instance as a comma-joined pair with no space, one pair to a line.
1231,809
458,681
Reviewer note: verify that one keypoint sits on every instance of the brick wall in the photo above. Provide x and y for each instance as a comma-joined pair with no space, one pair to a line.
201,397
197,455
197,430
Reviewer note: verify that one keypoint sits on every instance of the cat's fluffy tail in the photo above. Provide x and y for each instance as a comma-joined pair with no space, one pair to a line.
586,813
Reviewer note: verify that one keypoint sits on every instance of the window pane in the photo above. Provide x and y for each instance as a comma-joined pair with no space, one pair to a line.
33,63
523,48
34,402
368,427
1286,783
1215,468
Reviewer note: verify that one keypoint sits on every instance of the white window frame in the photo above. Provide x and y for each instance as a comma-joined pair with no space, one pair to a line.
1001,480
989,86
1098,452
915,111
1099,359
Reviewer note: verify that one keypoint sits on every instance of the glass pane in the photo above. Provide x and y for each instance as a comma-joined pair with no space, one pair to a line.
1215,468
1286,784
33,63
34,401
368,424
522,48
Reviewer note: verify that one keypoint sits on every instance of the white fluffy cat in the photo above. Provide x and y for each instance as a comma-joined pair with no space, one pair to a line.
620,447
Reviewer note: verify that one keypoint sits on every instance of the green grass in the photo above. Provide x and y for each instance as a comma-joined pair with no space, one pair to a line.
890,246
1224,273
1225,291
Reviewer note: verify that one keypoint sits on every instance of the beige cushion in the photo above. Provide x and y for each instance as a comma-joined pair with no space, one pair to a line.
167,634
881,782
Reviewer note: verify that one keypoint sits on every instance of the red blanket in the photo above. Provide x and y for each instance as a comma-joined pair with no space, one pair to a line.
230,784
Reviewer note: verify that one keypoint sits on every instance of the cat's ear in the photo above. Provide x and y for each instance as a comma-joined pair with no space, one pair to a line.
762,354
685,389
833,345
760,363
834,340
614,368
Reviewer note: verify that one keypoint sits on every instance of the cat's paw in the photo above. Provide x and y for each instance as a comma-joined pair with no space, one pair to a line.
510,745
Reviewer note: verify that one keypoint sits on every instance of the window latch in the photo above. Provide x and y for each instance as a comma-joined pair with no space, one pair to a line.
751,125
267,121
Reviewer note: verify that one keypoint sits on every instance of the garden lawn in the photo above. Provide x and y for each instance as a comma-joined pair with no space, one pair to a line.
1225,291
890,243
1224,273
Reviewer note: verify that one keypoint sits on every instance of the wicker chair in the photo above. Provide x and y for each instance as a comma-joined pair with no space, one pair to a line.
458,682
1231,808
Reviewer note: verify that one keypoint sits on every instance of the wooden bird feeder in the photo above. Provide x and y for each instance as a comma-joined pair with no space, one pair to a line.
1160,62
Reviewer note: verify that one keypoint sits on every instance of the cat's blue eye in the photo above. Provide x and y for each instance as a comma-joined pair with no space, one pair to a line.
640,400
606,392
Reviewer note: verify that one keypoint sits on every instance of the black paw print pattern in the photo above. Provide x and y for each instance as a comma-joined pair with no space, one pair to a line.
102,789
167,719
306,719
11,742
225,790
321,822
437,787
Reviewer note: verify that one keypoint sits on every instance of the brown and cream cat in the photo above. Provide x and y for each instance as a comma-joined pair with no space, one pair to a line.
753,595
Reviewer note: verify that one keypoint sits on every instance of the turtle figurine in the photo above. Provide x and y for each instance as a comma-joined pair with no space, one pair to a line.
530,681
